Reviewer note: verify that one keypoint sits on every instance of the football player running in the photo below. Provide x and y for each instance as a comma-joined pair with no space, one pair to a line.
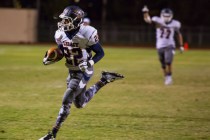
166,27
77,42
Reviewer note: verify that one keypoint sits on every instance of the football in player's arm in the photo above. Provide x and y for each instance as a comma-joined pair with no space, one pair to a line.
76,42
166,29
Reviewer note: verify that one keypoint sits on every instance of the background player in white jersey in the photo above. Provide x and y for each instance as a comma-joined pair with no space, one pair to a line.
166,27
86,21
77,42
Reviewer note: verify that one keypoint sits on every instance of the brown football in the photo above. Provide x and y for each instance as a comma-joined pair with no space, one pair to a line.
54,54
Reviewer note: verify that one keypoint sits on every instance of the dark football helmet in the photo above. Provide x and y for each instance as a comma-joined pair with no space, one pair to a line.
72,17
166,14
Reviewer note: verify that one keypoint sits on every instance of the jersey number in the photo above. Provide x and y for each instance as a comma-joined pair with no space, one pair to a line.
73,56
96,38
165,32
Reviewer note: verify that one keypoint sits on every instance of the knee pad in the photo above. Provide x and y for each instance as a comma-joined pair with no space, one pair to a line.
80,100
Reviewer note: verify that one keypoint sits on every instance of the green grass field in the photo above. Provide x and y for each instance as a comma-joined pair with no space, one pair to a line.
139,107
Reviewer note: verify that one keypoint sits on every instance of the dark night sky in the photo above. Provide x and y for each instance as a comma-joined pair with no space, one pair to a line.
189,12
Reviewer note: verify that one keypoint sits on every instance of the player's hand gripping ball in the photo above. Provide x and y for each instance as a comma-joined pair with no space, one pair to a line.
83,66
52,55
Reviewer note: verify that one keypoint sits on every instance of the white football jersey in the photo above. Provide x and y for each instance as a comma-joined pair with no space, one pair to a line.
75,48
165,32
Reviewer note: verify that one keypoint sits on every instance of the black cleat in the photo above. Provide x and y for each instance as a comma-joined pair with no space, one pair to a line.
49,136
111,76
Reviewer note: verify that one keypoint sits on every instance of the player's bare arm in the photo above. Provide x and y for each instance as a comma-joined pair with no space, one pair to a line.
180,41
146,15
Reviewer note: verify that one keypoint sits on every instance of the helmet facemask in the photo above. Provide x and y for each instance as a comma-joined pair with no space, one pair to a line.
166,15
68,24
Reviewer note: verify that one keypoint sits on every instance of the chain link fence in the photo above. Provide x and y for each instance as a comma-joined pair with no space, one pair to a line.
113,34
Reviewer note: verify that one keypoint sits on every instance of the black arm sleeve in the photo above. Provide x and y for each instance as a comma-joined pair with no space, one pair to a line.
99,52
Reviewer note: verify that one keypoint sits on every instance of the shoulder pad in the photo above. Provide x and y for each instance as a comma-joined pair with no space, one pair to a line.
177,24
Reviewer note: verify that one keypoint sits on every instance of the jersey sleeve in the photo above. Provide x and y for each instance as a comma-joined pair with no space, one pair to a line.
58,37
155,19
91,34
177,26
